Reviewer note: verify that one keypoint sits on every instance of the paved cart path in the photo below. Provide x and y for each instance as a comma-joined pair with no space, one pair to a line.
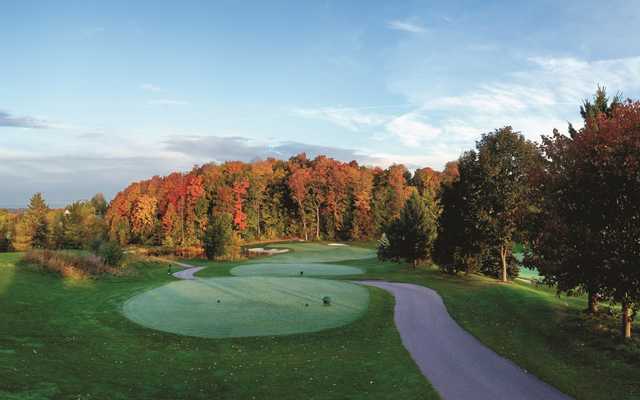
456,363
188,273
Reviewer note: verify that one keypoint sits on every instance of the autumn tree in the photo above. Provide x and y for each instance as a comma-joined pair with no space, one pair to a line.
144,217
389,195
298,182
591,207
319,198
239,194
564,243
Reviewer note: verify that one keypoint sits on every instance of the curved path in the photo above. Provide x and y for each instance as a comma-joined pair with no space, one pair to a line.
188,273
456,363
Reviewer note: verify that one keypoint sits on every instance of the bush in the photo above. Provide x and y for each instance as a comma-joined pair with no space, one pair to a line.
68,265
111,253
94,245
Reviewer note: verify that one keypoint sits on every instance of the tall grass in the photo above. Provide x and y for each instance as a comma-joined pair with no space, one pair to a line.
70,265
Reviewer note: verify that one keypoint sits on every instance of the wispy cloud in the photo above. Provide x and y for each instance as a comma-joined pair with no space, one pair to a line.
412,129
8,120
353,119
406,25
168,102
150,87
226,148
534,100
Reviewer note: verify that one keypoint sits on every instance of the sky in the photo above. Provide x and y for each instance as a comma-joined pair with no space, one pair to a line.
95,94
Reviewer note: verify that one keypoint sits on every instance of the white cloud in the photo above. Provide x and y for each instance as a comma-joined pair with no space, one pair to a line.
150,87
412,130
349,118
168,102
536,100
407,25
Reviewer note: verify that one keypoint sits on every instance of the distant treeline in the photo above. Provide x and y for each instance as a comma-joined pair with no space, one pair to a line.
38,226
272,199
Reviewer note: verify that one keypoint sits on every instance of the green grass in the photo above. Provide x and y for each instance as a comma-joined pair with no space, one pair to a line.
316,252
543,333
69,340
290,269
65,340
249,306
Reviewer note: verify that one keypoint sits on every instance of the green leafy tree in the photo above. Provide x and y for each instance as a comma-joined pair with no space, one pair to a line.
411,236
111,253
32,229
457,246
501,195
99,204
7,230
218,235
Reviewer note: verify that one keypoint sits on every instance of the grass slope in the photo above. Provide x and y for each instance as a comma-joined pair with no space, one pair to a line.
69,340
532,326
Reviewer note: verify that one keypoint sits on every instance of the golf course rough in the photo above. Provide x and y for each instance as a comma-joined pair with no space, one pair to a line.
248,306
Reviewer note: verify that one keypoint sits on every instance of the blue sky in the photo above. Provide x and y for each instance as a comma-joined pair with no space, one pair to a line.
94,95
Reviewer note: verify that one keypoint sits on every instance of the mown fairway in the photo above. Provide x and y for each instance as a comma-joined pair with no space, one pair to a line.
65,340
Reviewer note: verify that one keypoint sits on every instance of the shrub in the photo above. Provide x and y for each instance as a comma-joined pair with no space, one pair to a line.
111,253
68,265
94,245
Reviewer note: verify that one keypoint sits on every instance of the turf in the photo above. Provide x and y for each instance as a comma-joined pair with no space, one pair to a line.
540,331
249,306
307,269
316,252
62,340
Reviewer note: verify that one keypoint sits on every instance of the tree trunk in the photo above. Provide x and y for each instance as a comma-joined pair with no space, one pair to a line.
592,308
259,223
626,321
304,222
317,222
503,259
415,264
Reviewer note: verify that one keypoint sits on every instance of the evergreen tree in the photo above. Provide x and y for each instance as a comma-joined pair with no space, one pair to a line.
411,236
32,230
218,235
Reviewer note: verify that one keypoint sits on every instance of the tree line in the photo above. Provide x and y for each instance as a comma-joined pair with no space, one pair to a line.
79,225
573,201
311,199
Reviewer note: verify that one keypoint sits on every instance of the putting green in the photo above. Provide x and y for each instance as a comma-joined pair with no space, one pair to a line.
308,269
316,253
249,306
